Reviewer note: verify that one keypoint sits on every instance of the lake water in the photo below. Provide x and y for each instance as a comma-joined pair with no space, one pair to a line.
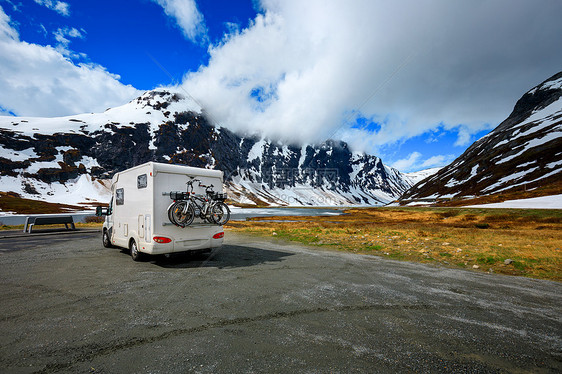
243,213
236,214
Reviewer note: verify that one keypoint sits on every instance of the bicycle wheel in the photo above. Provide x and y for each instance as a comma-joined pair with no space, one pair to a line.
206,213
220,213
187,214
182,214
171,208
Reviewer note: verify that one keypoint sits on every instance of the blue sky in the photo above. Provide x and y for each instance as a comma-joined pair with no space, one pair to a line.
412,83
127,39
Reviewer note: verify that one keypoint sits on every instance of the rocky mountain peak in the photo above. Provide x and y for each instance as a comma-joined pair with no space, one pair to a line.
523,153
38,155
536,99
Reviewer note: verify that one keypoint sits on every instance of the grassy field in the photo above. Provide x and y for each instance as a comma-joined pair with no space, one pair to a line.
506,241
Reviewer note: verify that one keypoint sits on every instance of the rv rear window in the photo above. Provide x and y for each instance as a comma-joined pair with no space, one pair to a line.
141,181
119,196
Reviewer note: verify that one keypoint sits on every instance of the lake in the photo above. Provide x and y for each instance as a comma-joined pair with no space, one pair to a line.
236,214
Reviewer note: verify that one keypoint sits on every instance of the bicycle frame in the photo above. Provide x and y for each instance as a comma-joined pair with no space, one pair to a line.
209,207
200,203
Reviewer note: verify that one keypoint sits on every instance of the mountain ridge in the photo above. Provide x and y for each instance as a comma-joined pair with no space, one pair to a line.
522,153
37,155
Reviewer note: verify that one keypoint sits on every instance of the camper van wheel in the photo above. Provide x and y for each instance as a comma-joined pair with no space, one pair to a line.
106,240
135,254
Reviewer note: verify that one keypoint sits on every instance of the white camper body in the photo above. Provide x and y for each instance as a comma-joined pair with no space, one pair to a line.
137,215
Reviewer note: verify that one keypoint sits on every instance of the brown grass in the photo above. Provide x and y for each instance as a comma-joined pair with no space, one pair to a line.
479,239
12,202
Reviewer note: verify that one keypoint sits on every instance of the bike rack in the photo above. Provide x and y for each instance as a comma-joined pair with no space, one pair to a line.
192,225
194,195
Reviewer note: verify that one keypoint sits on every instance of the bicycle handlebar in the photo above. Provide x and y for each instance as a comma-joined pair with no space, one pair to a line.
208,189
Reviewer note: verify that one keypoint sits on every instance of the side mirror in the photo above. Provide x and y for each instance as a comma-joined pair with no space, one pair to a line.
102,211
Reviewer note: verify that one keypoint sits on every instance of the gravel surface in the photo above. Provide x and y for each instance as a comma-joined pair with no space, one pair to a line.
69,305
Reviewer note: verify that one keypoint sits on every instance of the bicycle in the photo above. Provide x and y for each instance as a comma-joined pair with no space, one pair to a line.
187,205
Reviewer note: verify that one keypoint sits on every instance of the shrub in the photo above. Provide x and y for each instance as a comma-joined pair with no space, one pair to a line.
449,213
94,219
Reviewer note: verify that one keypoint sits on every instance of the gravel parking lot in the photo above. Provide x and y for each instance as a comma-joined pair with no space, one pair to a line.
70,305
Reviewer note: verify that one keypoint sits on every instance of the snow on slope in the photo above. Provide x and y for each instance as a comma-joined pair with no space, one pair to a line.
522,153
241,190
49,158
543,202
152,108
81,191
418,176
144,109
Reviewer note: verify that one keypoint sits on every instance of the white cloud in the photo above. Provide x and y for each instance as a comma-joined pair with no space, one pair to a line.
438,160
414,162
187,17
15,6
408,163
58,6
302,66
43,30
40,81
62,35
6,31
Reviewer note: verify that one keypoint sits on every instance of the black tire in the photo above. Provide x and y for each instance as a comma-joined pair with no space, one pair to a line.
178,217
170,215
208,217
135,254
183,219
220,213
106,240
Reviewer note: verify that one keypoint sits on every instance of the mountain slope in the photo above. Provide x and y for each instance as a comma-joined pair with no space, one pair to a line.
65,159
523,153
418,176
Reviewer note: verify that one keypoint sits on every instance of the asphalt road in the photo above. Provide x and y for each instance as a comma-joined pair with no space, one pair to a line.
69,305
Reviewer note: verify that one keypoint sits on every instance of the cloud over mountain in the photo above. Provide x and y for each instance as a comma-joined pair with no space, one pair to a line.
386,77
304,68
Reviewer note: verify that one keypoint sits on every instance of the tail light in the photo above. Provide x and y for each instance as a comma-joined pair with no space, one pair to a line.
161,239
219,235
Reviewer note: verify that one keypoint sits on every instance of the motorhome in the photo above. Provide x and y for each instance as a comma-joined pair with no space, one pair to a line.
137,217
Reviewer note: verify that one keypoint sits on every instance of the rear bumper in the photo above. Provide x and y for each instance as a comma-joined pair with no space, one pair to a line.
181,245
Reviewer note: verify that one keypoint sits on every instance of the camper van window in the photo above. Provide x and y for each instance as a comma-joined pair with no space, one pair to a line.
141,181
119,196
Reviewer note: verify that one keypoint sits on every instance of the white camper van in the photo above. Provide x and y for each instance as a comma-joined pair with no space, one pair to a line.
137,217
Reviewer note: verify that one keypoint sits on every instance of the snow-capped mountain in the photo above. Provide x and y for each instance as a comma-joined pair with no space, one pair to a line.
67,159
418,176
523,153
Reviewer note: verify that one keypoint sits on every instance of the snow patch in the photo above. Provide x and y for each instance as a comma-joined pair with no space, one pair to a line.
256,151
23,155
543,202
418,176
82,190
